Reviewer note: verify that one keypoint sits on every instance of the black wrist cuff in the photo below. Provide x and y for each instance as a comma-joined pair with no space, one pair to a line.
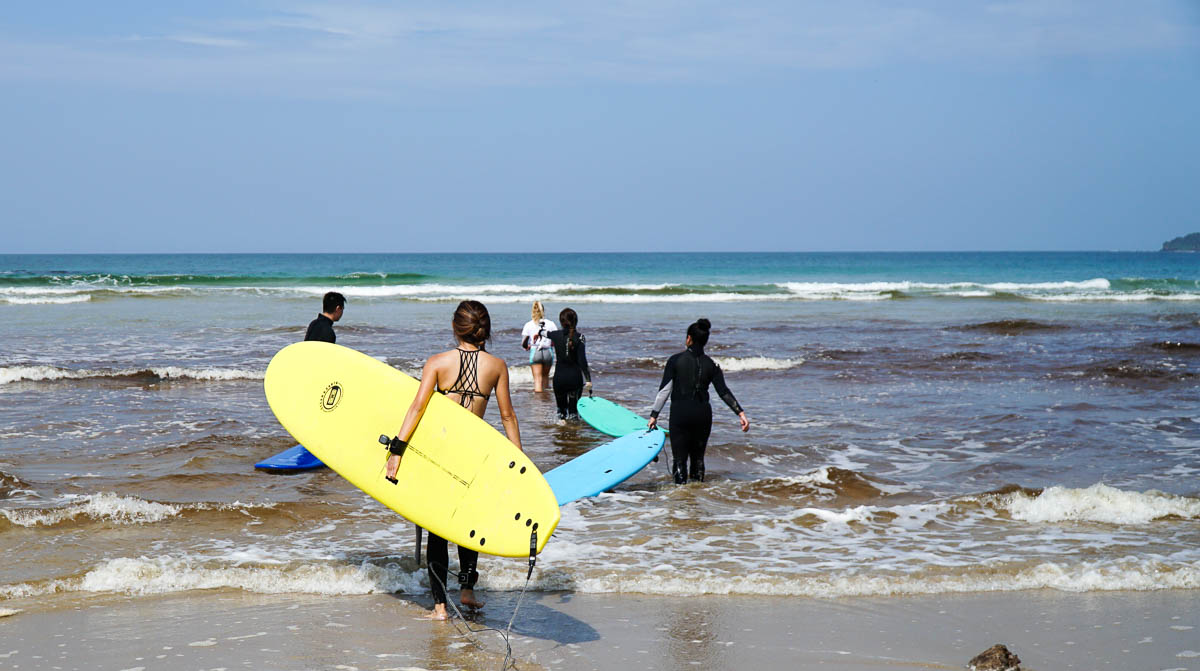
397,446
654,414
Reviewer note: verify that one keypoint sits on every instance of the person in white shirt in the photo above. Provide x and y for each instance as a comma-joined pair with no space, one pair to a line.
541,352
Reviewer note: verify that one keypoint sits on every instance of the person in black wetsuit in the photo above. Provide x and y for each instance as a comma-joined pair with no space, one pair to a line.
467,375
685,382
321,328
571,374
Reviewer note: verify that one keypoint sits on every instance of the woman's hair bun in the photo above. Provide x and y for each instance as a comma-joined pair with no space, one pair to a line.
704,324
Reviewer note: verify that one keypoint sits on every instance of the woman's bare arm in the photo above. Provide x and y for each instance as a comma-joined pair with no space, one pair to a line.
504,403
416,410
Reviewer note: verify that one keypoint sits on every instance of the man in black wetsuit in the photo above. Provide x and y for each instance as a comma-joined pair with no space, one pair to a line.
685,382
321,328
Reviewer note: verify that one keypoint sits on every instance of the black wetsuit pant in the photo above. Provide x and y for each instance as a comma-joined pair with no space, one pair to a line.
568,387
567,400
690,425
437,557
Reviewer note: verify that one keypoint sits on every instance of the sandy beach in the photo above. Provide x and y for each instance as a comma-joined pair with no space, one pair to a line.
229,629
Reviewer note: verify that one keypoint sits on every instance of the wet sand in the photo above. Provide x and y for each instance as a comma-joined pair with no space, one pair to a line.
232,630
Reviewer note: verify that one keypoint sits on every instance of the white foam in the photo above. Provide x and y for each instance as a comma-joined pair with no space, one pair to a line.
564,568
755,363
18,373
111,507
208,373
1099,503
1133,574
520,376
49,373
161,575
1098,283
46,300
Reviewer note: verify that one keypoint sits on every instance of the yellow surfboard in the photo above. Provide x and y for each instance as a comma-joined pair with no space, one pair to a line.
460,478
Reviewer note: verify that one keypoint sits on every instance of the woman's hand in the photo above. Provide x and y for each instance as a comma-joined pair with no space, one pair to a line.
745,422
652,424
393,465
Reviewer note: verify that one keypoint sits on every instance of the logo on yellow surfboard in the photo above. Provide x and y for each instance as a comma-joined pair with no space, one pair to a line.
331,397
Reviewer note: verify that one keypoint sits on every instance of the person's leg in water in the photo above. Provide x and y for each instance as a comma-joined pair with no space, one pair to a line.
539,365
681,442
437,558
538,371
696,449
690,424
560,398
573,403
467,576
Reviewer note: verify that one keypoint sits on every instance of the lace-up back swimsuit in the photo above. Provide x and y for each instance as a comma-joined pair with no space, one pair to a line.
466,385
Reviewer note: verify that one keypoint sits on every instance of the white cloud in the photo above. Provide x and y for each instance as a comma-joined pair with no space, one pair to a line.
207,41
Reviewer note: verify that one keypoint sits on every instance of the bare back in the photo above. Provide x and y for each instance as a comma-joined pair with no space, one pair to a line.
469,376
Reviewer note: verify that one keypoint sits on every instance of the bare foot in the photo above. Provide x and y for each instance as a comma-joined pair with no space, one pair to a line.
468,599
438,612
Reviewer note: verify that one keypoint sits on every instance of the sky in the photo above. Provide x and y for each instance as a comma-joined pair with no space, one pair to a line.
639,125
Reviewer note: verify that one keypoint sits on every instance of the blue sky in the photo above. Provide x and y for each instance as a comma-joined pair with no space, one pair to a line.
604,126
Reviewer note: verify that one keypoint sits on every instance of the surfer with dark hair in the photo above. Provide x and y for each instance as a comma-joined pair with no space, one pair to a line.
467,375
571,375
685,382
333,305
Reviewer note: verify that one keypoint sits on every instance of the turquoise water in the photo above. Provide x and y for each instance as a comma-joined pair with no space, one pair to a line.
799,276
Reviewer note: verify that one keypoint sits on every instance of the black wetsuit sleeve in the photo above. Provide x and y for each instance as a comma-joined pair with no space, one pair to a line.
581,359
664,389
718,382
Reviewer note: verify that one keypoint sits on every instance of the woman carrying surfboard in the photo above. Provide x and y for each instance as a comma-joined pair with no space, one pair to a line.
467,375
685,382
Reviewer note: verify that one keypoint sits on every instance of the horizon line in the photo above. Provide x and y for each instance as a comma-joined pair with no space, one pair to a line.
640,252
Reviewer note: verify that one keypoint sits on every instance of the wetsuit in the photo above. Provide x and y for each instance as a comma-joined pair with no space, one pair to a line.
321,329
685,382
570,373
437,550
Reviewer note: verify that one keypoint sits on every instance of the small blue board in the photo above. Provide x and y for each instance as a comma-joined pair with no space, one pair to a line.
292,459
605,466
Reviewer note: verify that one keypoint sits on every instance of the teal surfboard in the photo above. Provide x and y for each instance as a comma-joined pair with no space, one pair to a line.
605,466
608,417
292,459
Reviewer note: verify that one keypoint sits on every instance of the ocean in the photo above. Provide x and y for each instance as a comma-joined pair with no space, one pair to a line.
921,423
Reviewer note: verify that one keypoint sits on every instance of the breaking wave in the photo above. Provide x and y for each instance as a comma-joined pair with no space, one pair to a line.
9,374
65,289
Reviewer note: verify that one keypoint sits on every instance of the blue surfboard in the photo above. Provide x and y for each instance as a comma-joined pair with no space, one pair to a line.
605,466
292,459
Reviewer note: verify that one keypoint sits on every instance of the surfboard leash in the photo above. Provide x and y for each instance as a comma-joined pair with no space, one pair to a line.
506,633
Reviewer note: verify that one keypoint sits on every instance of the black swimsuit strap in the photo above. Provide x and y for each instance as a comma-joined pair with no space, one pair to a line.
466,384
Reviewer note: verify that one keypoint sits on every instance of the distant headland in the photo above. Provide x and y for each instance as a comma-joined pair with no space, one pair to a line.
1186,243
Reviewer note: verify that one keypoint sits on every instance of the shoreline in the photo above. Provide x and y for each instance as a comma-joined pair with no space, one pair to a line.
563,630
